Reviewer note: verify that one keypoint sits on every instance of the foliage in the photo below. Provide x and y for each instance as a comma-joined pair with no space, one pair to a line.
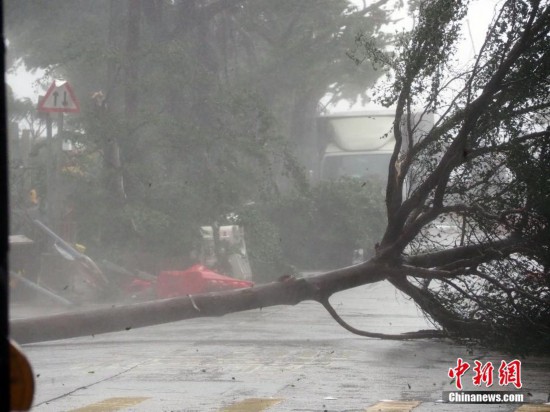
189,109
315,229
470,231
264,245
526,162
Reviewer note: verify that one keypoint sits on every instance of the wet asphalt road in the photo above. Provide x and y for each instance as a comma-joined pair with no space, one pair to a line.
277,359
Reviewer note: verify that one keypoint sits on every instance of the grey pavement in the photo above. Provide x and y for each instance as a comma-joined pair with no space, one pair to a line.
278,359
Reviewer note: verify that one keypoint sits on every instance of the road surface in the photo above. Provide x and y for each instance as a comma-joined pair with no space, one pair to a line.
277,359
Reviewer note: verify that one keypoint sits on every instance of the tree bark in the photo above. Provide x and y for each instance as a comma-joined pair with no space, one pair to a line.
290,291
112,164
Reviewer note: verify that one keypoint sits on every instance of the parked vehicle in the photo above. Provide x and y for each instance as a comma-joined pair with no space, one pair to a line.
360,144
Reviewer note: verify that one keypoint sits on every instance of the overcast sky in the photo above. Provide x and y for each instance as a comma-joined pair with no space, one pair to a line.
480,14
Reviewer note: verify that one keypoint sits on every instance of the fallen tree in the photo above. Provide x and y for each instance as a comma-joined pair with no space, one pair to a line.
287,291
467,202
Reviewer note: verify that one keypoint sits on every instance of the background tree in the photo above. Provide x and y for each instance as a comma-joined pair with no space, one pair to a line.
190,108
27,162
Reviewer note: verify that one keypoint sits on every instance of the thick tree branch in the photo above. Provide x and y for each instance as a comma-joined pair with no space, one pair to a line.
421,334
484,251
366,10
508,145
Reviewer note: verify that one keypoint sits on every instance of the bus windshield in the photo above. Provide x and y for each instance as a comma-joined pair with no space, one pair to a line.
369,165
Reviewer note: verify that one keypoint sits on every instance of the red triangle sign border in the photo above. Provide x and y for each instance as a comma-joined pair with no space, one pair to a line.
55,85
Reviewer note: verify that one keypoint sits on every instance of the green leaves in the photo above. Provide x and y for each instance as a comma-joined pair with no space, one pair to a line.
319,228
480,170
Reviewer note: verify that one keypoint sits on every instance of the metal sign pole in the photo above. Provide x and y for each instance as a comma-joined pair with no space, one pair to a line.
50,172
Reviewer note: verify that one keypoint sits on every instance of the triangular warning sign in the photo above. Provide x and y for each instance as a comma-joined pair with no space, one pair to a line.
59,98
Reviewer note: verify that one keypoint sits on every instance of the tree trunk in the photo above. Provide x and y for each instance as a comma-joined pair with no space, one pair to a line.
112,165
302,128
287,291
